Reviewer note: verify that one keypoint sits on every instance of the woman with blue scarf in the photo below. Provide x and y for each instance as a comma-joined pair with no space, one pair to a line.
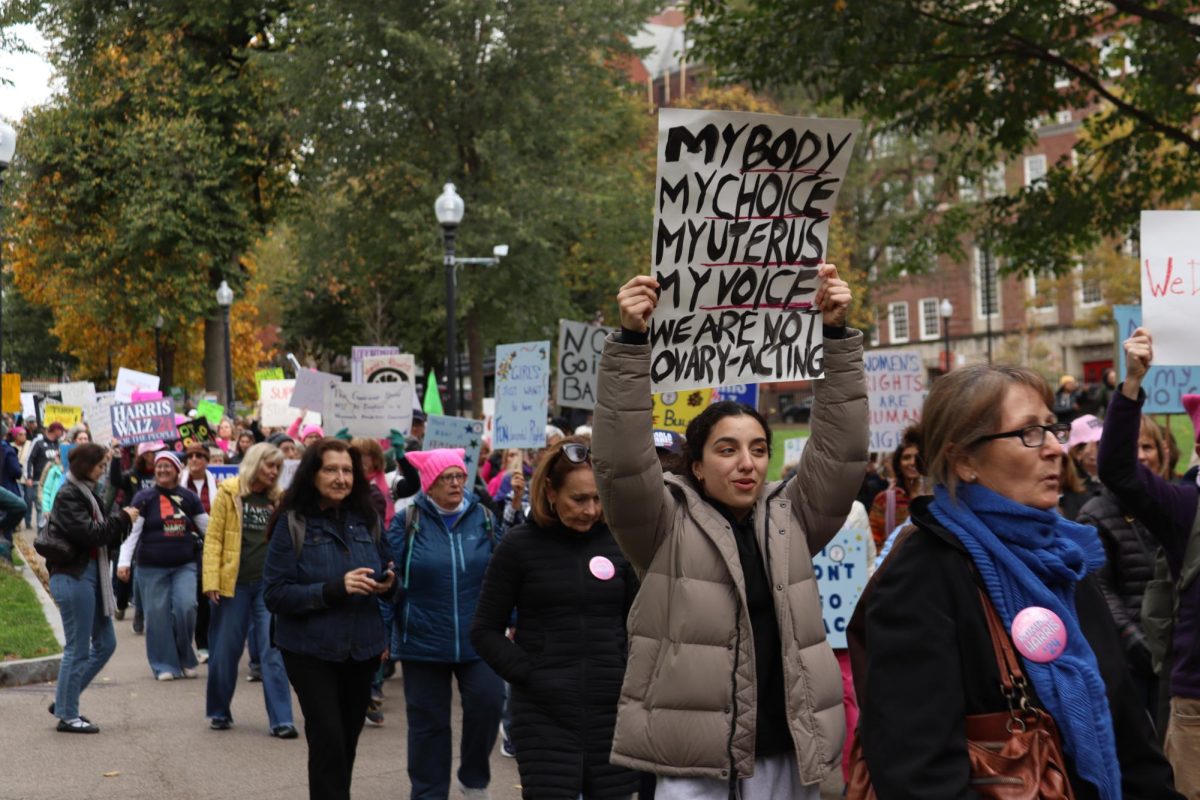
994,449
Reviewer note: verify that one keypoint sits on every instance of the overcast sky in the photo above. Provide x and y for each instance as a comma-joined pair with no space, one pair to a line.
29,73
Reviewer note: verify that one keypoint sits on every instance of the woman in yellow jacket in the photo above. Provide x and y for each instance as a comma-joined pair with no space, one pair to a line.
235,548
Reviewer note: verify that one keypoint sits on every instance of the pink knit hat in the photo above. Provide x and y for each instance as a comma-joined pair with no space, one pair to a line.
1084,429
1191,404
169,457
309,430
431,464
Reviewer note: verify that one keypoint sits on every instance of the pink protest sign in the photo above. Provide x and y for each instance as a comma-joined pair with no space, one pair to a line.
1039,634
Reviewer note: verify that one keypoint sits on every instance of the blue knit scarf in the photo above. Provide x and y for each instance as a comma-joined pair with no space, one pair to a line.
1029,557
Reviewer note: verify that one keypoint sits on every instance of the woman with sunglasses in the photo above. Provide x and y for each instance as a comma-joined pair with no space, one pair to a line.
991,538
571,588
731,686
442,544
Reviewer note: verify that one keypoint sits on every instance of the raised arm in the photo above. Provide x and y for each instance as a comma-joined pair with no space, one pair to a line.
835,458
628,473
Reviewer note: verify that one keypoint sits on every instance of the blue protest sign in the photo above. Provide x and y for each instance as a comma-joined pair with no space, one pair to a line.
223,471
522,394
841,572
1164,385
452,433
745,393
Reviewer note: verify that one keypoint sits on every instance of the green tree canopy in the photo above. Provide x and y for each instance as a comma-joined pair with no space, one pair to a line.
979,78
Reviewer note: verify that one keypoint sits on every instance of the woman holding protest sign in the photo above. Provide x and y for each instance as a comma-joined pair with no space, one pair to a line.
731,686
984,637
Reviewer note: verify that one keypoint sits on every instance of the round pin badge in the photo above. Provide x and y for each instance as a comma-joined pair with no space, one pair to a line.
1039,634
602,568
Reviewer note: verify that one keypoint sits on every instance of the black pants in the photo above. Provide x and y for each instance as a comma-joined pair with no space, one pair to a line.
203,613
333,697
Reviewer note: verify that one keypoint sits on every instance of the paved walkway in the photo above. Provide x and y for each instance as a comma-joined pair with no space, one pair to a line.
155,743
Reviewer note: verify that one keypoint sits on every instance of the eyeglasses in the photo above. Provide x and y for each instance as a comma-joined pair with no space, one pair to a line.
454,478
1034,435
197,455
576,453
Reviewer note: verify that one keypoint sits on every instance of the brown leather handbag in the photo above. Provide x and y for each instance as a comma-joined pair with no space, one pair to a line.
1014,755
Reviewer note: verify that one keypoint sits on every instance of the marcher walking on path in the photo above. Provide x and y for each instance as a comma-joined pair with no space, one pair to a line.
991,538
82,585
442,543
731,686
235,550
571,588
326,565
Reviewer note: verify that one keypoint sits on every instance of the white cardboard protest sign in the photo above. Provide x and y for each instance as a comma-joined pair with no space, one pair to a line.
358,353
579,347
895,395
522,394
793,449
1170,272
389,368
741,223
368,409
130,381
310,389
76,393
98,416
276,397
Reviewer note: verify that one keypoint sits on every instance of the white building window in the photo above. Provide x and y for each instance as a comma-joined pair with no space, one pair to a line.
874,339
1064,117
1043,291
987,295
1090,293
898,314
1035,168
930,322
993,181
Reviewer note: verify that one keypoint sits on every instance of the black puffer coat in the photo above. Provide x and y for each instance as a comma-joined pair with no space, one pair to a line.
72,518
568,660
1131,551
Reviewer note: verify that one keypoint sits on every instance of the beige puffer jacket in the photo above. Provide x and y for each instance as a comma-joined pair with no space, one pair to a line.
688,703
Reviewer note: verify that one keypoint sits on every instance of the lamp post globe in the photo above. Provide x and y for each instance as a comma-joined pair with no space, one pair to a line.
449,209
225,300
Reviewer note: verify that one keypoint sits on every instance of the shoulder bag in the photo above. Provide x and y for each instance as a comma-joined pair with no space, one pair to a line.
1014,755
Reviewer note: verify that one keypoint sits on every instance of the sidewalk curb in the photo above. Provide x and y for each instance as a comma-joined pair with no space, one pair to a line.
36,670
49,607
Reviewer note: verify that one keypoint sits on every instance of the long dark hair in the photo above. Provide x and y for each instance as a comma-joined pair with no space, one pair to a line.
700,428
302,496
910,438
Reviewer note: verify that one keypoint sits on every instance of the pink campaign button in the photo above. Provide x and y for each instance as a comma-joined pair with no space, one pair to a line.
1039,634
602,568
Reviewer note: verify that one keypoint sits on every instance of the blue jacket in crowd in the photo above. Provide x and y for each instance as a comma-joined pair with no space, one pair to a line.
440,578
10,469
314,615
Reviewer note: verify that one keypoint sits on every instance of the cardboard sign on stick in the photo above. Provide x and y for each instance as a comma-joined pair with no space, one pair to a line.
368,409
579,347
1171,284
310,389
454,432
130,381
741,225
895,395
134,423
522,394
357,354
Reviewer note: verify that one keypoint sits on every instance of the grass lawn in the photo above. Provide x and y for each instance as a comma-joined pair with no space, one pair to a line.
1181,426
24,632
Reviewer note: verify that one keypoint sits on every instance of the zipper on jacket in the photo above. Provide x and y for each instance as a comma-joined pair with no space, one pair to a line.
404,638
733,701
454,596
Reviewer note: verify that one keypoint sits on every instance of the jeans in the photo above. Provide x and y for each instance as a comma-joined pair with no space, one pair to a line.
333,697
12,511
30,495
169,595
89,634
427,699
232,618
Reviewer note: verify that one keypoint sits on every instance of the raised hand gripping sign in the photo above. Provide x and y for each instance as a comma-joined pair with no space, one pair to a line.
741,223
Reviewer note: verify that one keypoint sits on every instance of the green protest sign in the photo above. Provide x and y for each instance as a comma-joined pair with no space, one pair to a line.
271,374
213,412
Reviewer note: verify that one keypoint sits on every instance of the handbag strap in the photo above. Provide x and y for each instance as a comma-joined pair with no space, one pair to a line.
1012,680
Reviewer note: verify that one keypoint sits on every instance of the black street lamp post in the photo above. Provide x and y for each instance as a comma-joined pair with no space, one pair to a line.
449,208
947,311
158,359
225,300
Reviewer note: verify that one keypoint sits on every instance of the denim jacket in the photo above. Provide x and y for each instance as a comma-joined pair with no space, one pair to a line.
314,615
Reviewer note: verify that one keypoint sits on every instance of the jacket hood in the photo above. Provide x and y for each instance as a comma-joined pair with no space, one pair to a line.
427,505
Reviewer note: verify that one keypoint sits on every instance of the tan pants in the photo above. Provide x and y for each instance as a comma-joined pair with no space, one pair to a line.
1182,745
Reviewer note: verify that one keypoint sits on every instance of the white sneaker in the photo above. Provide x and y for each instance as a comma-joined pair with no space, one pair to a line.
164,676
473,794
190,672
202,656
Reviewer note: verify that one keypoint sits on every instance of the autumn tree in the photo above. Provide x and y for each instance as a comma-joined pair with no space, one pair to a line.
523,107
980,78
148,179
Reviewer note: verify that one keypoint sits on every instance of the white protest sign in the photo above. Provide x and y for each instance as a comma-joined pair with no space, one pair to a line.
28,406
1170,271
741,222
368,409
579,347
287,472
276,397
389,368
98,416
793,449
76,393
522,394
895,395
310,389
357,354
130,381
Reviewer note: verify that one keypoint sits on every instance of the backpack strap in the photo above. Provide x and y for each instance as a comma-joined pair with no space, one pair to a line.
412,516
296,527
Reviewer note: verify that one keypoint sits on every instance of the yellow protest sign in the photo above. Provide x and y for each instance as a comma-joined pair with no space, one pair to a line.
67,415
674,410
10,394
